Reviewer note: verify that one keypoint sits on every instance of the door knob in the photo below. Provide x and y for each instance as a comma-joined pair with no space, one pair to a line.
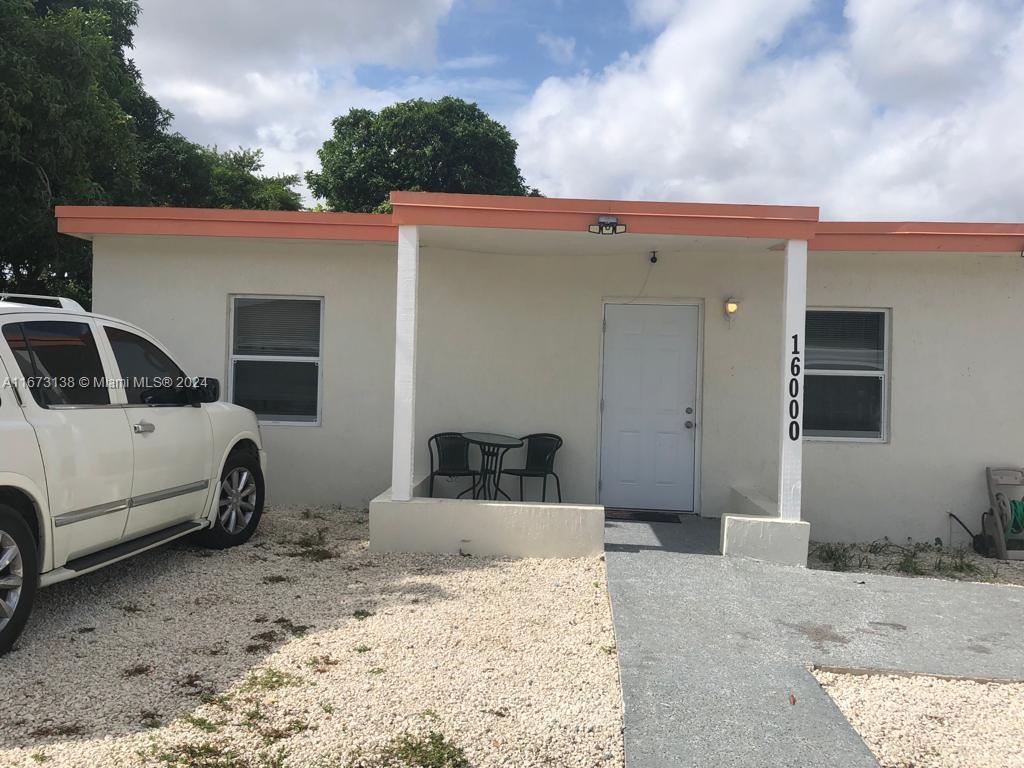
143,428
689,425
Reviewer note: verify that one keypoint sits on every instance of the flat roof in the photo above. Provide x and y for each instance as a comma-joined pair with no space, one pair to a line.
552,214
85,221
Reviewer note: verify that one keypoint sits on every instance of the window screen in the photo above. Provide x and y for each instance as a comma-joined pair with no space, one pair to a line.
277,327
275,358
845,380
60,361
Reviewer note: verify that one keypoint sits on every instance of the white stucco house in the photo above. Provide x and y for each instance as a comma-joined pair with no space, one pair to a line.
740,361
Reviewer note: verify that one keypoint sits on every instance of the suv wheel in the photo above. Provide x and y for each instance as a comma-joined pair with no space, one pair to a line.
239,503
19,575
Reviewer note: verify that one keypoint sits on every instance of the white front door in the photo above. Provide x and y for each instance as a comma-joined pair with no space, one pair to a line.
649,409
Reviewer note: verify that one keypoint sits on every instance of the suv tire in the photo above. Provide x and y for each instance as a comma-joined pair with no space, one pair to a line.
19,574
239,504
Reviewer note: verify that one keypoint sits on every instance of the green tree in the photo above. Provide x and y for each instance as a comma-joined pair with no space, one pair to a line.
77,127
447,145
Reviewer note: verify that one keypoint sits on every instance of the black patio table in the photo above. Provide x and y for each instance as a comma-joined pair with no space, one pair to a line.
493,448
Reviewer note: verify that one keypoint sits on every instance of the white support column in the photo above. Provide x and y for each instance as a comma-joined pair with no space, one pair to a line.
794,308
404,444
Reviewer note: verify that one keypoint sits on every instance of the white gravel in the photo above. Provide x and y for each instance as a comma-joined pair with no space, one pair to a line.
513,661
929,722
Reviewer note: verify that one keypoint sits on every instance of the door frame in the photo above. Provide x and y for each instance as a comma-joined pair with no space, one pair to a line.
699,395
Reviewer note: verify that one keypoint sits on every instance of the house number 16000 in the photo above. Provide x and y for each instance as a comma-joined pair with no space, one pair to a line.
794,390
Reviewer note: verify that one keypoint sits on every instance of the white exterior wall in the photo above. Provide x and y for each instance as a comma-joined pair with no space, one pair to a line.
957,384
177,288
513,344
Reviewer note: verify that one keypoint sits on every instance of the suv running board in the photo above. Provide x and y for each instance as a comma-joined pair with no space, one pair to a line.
128,548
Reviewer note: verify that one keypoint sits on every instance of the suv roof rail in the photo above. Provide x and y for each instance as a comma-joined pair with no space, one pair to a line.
32,300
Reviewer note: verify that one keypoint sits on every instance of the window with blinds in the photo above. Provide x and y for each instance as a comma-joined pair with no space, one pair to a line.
846,377
275,357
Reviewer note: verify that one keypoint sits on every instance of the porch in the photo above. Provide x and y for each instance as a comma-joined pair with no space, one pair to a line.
501,325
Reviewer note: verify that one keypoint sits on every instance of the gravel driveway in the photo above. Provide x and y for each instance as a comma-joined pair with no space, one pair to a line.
302,648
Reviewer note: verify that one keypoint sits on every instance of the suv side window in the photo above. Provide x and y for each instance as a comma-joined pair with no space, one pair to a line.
149,376
61,361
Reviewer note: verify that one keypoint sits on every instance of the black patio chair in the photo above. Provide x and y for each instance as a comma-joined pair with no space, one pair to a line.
449,457
540,462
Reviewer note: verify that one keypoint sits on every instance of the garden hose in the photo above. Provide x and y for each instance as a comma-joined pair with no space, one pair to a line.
1016,525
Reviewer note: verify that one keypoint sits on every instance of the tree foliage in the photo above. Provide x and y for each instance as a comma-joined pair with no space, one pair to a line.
77,127
447,145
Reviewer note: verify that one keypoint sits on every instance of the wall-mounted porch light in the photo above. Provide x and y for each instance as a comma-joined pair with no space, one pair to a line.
731,307
607,225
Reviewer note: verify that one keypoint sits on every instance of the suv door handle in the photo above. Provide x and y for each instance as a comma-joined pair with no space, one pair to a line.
143,428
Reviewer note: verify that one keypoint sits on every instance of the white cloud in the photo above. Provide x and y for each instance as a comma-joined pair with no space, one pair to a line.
915,112
274,75
482,61
912,110
562,50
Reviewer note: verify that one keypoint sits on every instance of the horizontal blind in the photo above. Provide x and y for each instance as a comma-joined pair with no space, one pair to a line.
277,327
850,341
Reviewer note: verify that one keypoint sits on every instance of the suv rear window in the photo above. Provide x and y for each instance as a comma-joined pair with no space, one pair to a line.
60,361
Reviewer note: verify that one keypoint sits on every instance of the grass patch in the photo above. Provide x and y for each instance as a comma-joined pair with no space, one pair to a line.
408,751
202,755
39,757
293,629
377,671
278,733
223,701
321,663
910,564
312,547
362,649
270,636
361,615
207,726
270,680
150,718
838,556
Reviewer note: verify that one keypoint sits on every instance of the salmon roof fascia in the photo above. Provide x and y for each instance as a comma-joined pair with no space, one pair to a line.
442,209
575,215
87,221
919,236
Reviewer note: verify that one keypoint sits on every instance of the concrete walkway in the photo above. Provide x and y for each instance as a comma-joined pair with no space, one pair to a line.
711,648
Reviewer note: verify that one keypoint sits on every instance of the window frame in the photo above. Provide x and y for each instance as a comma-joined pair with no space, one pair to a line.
318,360
885,373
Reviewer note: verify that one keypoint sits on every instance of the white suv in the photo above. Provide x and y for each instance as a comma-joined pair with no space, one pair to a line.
107,449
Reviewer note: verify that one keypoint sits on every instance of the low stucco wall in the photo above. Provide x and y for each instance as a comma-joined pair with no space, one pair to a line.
485,528
765,538
753,529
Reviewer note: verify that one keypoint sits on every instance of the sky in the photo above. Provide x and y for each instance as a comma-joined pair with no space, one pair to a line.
870,109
